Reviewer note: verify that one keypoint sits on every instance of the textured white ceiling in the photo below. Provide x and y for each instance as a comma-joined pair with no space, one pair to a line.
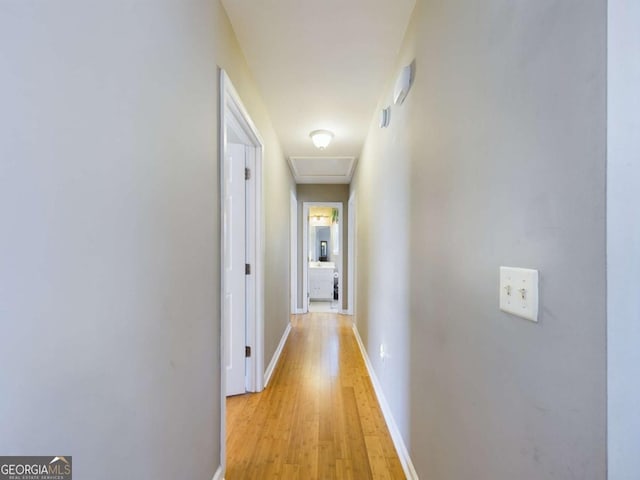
320,64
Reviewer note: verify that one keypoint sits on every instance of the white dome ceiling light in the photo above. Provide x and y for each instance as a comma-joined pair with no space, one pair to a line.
321,138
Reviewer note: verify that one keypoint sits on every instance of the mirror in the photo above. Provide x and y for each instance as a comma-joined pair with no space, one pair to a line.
322,244
323,251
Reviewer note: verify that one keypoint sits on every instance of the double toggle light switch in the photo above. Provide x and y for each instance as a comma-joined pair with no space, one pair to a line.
519,292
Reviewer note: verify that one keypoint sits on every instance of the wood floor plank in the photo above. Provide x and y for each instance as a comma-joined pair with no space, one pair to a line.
318,418
355,439
377,460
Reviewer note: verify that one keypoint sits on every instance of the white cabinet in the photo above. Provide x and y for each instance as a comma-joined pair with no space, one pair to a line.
320,283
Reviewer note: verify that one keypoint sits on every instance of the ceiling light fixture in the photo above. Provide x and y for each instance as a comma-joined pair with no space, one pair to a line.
321,138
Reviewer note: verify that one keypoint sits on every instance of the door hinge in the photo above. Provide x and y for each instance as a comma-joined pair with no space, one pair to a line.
247,351
247,173
247,269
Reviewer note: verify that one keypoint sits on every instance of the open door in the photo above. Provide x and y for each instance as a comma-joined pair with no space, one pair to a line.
234,313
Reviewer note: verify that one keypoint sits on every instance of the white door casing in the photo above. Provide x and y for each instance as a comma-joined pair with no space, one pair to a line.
351,282
305,243
236,127
293,223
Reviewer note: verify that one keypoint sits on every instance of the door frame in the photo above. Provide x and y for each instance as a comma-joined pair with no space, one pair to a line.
234,117
305,252
293,224
351,268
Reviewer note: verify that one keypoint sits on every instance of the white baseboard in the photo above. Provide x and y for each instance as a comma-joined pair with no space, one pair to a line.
398,442
218,475
276,356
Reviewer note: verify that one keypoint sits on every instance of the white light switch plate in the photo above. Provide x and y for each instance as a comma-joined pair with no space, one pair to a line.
519,292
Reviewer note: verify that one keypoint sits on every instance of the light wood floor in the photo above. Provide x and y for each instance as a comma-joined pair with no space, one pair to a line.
318,418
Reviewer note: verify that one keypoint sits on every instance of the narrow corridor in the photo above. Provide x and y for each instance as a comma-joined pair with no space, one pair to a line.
318,418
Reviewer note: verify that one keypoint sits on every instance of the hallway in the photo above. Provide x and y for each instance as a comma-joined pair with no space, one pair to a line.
318,418
479,164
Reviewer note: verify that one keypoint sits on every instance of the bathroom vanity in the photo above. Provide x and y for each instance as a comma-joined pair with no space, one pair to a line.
321,280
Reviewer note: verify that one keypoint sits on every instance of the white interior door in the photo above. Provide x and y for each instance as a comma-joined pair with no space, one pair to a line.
293,223
234,268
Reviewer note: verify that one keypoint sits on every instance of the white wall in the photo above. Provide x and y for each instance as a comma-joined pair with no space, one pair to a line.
623,239
497,157
109,253
278,185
